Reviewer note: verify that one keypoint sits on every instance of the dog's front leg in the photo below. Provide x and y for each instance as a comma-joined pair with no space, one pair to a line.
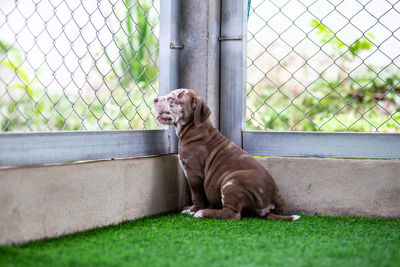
199,198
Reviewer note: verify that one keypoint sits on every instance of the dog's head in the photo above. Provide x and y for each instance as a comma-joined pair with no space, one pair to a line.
181,107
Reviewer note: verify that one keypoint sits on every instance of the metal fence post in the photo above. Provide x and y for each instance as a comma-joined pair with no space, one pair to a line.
170,47
200,61
233,69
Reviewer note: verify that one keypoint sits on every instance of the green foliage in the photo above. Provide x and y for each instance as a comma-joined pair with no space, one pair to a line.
137,44
12,60
181,240
331,39
124,101
358,101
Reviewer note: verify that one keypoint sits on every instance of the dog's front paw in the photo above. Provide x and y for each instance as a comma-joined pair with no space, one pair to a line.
191,210
199,214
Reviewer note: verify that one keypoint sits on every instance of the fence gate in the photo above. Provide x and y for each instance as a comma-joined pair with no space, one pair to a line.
311,78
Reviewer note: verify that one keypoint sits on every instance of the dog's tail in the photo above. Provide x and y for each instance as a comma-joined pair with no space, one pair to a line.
272,216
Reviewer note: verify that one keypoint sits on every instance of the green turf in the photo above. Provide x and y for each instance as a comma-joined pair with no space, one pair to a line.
181,240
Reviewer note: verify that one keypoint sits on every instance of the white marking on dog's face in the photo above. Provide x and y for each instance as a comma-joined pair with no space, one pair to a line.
180,108
175,108
169,111
267,209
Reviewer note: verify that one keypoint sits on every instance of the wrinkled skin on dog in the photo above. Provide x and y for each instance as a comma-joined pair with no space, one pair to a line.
224,180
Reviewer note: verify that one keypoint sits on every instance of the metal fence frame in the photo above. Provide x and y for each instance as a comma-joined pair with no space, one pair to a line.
32,148
20,149
269,143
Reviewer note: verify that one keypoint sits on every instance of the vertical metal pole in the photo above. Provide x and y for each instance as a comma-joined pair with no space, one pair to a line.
169,55
233,69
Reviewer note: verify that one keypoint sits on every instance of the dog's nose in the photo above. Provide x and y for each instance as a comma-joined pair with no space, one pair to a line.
156,100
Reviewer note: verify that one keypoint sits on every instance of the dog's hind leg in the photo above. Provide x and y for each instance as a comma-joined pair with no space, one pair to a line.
279,211
279,204
232,204
224,214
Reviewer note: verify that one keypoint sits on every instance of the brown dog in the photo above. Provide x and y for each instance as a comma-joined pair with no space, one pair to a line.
224,180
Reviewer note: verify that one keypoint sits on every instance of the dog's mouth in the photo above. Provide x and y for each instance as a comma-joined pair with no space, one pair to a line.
164,118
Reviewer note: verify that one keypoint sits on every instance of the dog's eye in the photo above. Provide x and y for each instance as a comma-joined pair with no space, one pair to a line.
170,99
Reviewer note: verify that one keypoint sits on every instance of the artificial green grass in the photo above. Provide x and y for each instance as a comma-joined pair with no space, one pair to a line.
181,240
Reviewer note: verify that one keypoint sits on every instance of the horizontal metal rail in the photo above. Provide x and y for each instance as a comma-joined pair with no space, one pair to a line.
323,144
34,148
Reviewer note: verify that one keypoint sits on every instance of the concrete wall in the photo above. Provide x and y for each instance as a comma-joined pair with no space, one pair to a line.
43,202
49,201
338,186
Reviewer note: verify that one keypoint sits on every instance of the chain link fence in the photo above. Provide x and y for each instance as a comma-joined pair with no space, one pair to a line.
78,65
324,65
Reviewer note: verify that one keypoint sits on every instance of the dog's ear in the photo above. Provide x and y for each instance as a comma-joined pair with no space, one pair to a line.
201,111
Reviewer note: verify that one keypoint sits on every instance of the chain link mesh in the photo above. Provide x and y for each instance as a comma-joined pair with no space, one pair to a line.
324,65
78,65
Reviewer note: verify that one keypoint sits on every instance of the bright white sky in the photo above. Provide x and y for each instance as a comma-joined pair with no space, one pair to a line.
42,36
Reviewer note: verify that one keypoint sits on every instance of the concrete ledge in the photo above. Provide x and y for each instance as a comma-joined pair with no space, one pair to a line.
338,187
43,202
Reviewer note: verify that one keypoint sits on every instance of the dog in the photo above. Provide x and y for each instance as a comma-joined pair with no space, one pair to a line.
225,181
